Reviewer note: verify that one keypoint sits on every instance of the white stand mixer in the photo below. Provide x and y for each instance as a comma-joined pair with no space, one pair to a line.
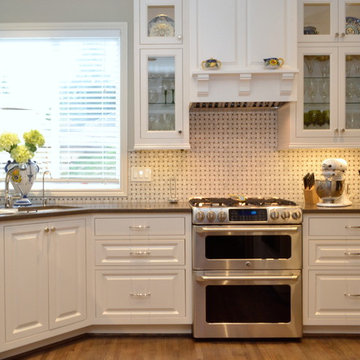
332,191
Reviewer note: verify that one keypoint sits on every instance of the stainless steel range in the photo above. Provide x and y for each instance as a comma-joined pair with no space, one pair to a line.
246,268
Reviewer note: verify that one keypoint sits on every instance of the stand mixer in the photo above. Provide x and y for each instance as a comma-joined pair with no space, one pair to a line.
332,190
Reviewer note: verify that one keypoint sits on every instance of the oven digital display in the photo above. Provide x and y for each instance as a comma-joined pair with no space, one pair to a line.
247,215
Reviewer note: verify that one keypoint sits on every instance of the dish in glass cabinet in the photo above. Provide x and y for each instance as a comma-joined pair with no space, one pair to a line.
161,25
352,25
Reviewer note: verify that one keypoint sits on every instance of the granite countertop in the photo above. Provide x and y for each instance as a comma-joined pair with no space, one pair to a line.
74,209
136,207
354,208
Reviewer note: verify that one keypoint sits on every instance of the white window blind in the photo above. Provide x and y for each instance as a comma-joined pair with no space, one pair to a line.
68,88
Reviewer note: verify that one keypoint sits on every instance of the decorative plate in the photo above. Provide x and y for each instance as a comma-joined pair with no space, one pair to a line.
161,25
352,25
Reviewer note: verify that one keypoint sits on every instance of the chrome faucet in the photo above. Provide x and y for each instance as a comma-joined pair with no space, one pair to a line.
6,194
44,200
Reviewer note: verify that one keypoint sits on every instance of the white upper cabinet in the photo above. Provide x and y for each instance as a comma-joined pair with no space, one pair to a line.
161,22
241,34
161,95
329,20
327,113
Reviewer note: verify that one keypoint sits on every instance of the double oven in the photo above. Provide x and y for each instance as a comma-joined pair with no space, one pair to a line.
247,272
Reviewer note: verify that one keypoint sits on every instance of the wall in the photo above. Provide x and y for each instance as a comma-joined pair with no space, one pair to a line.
230,152
235,153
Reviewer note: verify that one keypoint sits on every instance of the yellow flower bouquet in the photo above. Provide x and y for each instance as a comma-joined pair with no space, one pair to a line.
21,153
21,172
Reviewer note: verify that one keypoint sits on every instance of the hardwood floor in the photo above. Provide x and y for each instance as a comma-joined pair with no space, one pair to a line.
184,347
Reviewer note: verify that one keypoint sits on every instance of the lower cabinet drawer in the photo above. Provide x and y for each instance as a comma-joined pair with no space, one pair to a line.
140,297
334,252
140,252
333,298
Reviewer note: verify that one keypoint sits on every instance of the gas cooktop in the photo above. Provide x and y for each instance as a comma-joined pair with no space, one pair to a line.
222,211
211,202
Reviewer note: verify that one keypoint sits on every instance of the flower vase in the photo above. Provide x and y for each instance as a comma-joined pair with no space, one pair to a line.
22,177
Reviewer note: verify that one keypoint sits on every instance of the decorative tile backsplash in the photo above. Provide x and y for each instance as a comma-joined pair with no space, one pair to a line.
235,152
232,152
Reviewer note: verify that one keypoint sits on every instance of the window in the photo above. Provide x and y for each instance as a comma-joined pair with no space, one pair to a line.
69,82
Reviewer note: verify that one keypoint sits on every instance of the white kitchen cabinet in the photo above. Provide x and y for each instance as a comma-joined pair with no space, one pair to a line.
241,33
142,269
160,21
45,278
331,274
2,290
161,95
327,113
329,21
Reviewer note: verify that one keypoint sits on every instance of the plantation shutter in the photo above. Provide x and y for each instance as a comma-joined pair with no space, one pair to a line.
68,88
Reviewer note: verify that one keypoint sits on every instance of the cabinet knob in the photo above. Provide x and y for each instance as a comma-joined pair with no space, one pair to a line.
179,37
342,130
53,228
342,35
46,229
336,130
180,131
336,34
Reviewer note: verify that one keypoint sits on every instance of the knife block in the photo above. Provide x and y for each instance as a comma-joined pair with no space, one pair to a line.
310,196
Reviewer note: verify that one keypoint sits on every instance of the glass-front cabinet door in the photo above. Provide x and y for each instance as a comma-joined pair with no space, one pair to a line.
161,95
329,20
161,22
349,107
318,87
318,20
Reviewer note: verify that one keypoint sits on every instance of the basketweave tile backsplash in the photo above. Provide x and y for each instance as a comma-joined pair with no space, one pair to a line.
232,152
235,153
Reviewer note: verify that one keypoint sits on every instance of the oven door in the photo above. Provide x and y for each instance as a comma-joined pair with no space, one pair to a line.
247,247
239,304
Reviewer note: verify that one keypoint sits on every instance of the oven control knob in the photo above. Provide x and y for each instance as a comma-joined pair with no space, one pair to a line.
211,216
296,215
221,216
200,216
285,214
274,215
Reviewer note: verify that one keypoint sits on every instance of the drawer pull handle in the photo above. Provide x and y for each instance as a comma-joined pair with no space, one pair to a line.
349,253
140,295
140,253
139,227
352,295
352,226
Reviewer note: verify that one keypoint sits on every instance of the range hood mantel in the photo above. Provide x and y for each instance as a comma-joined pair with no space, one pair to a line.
244,85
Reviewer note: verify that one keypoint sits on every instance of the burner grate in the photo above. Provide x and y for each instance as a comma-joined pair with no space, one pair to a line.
199,202
269,202
218,202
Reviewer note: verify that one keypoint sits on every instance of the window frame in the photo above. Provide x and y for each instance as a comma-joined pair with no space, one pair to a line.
17,30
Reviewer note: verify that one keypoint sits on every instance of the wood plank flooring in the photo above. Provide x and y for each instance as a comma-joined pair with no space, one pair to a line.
185,347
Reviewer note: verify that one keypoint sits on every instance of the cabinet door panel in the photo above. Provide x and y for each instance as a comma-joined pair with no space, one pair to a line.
349,88
266,22
334,298
67,273
26,281
161,22
318,20
216,33
141,296
318,85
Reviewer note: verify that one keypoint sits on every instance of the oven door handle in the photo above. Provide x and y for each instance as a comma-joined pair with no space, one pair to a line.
247,277
243,228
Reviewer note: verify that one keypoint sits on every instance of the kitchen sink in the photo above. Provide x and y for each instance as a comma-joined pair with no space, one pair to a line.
6,211
46,208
